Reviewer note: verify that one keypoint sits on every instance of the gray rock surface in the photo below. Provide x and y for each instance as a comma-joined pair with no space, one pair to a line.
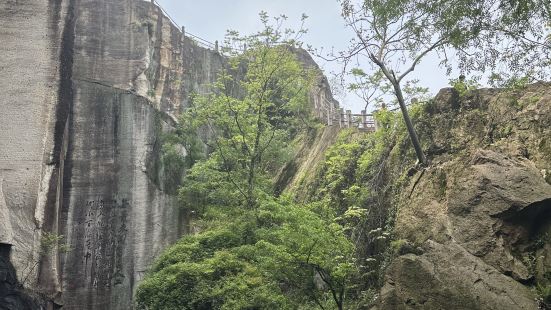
477,228
93,84
31,35
448,277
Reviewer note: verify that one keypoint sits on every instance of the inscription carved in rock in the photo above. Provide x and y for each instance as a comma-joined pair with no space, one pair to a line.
105,231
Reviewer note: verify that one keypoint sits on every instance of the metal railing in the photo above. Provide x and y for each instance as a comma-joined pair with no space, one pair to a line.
200,41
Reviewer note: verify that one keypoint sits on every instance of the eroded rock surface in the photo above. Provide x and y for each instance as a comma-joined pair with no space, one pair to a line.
448,277
482,211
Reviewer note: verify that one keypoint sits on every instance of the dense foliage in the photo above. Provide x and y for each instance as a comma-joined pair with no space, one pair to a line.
253,251
359,181
281,256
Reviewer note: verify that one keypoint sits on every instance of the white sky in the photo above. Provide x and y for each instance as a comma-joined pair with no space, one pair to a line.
210,19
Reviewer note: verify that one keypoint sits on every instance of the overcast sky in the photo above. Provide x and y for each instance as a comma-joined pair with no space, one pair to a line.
210,19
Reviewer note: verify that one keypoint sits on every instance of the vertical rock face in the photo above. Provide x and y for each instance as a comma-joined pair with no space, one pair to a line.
132,70
31,35
92,86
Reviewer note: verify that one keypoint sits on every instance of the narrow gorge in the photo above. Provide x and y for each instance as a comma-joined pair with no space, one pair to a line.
90,88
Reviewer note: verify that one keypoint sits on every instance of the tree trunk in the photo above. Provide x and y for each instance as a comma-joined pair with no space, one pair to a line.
412,134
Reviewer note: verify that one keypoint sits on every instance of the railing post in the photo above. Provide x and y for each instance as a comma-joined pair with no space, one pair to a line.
364,120
316,106
349,118
341,117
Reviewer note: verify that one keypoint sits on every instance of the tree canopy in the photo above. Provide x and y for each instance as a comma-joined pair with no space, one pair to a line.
255,250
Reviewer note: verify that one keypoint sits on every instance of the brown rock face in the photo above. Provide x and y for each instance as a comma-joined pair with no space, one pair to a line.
482,211
448,277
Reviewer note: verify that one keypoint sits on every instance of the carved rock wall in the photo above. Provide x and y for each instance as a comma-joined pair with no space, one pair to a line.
92,85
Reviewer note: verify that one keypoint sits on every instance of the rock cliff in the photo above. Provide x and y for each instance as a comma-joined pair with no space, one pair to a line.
92,85
471,230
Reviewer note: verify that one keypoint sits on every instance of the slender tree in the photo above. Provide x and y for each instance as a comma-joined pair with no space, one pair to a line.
509,38
394,36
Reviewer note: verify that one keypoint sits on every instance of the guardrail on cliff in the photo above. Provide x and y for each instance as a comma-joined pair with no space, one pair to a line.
203,42
332,115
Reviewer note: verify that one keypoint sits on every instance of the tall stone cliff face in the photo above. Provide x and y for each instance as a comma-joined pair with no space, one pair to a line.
88,88
32,35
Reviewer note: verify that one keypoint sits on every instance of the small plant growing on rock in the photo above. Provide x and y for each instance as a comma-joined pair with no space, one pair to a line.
544,296
49,242
462,86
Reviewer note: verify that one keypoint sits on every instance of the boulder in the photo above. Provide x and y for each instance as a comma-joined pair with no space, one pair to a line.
446,276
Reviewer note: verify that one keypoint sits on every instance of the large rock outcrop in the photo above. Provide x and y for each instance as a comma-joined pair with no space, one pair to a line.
480,214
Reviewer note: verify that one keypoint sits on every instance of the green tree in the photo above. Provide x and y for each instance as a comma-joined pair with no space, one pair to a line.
288,258
395,36
511,39
254,251
374,88
253,108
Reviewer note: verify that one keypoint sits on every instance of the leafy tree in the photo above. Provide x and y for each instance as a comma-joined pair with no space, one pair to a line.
253,108
374,89
509,38
395,36
254,251
290,258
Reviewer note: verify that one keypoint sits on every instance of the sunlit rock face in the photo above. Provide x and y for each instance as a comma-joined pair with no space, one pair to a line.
92,86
